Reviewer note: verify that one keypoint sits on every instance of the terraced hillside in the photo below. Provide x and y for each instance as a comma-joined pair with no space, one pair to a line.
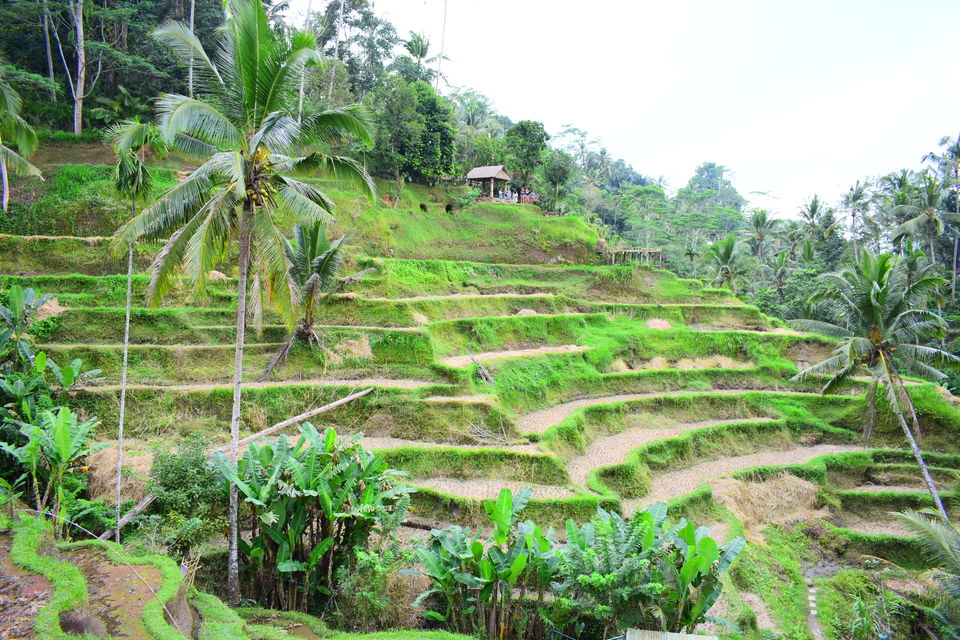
595,385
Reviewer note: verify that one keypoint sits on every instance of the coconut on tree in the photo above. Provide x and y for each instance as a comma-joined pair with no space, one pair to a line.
881,325
241,124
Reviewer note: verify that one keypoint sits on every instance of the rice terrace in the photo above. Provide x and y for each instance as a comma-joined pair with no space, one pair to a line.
301,337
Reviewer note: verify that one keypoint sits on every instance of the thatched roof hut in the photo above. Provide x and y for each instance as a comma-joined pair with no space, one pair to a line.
485,178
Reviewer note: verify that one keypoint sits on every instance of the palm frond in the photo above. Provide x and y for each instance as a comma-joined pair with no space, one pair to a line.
178,114
17,163
304,200
332,125
820,327
186,45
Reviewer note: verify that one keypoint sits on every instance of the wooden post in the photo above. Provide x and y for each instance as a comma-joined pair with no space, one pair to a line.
491,188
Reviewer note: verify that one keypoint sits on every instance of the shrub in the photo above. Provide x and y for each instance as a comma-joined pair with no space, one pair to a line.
185,481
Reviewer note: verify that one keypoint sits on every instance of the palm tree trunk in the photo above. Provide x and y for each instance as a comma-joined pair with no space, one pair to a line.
932,488
193,6
123,385
871,411
76,9
933,251
303,75
233,559
46,42
6,185
853,233
953,276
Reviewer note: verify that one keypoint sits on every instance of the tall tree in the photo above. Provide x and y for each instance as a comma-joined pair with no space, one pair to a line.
243,126
926,219
526,144
856,201
762,227
131,178
14,128
725,255
881,324
948,164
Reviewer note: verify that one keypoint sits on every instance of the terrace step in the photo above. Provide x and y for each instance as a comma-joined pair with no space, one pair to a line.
542,419
452,296
386,383
388,443
488,489
615,448
463,361
674,484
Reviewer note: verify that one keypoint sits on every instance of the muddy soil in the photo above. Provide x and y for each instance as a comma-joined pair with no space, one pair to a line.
116,594
22,596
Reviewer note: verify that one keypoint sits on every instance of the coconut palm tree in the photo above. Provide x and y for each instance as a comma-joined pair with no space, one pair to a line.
857,201
15,129
881,322
948,164
242,124
926,217
131,178
811,216
724,253
418,46
776,273
762,227
315,264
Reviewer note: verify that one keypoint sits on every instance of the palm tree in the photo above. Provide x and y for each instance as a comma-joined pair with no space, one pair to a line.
418,46
811,215
315,264
242,124
729,262
14,128
881,323
132,179
939,541
776,273
856,201
948,163
762,226
926,219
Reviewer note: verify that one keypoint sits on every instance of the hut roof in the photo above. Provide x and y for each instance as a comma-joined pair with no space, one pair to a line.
485,173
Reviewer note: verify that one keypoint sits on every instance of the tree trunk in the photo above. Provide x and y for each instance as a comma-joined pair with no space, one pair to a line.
76,9
6,185
233,560
303,76
932,488
193,6
933,251
123,383
853,234
336,51
871,411
953,276
46,42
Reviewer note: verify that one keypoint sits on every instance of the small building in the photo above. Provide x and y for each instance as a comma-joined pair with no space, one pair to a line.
487,178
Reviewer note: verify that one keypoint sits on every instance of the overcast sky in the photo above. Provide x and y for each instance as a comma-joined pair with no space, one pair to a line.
795,98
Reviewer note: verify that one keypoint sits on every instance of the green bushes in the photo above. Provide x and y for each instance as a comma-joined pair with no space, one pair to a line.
335,491
640,573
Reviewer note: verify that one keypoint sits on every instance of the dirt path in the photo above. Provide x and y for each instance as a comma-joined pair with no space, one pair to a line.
387,443
488,489
319,382
455,296
22,596
133,347
463,361
615,448
674,484
116,594
542,419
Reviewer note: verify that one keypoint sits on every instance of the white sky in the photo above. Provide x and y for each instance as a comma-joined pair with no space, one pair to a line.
795,98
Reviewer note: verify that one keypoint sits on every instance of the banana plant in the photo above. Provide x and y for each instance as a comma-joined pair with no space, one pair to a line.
53,447
15,320
312,503
72,376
